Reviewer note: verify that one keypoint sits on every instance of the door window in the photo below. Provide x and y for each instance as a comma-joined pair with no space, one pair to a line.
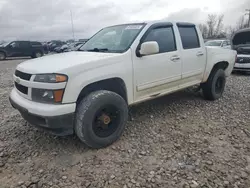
189,37
165,38
24,44
14,45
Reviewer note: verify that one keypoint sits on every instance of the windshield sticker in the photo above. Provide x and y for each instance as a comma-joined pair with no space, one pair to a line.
134,27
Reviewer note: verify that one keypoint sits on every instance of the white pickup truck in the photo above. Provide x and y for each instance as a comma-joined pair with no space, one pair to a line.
88,92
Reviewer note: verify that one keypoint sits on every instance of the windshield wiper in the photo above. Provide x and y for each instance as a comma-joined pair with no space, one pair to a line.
98,50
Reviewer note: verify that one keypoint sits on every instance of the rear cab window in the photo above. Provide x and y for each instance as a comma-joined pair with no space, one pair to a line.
189,36
36,43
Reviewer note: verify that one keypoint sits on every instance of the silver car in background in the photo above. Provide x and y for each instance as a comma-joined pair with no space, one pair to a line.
219,43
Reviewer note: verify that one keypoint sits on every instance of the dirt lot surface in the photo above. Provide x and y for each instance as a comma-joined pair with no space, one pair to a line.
179,140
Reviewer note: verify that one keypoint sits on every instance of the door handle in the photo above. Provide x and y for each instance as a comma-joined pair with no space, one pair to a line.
200,54
175,58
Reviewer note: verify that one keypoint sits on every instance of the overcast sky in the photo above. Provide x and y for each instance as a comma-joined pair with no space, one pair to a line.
50,19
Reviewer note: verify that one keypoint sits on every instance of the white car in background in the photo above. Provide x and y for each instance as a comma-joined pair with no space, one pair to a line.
219,43
241,43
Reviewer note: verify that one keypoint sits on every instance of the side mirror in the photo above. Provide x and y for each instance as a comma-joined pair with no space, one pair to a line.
149,48
12,45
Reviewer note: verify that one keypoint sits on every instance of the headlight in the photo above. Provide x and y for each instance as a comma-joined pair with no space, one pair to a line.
47,96
50,78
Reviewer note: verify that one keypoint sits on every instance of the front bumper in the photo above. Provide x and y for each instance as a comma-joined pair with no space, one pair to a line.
57,119
242,67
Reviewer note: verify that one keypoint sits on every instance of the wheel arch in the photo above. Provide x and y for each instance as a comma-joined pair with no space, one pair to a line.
37,50
219,65
115,84
5,53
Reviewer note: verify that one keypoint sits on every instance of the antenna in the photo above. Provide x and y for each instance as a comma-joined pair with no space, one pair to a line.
248,13
72,24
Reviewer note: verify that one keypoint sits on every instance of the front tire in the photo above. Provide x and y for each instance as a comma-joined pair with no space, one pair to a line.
215,85
2,56
101,118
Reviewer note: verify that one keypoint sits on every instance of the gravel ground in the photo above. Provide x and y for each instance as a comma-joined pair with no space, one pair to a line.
179,140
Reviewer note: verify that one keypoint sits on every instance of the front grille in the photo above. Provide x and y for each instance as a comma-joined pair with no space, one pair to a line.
243,60
22,75
21,88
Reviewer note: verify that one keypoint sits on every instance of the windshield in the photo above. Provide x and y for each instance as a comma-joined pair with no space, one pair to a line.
4,44
213,43
115,39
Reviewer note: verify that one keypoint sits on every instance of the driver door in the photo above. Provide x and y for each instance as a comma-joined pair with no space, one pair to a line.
160,73
14,49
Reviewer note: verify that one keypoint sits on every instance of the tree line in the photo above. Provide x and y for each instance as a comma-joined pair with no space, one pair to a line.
214,28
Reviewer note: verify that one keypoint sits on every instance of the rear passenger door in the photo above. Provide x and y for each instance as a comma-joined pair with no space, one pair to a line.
25,48
193,54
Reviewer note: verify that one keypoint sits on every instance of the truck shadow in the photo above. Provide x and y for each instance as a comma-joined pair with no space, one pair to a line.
72,143
69,150
162,103
16,58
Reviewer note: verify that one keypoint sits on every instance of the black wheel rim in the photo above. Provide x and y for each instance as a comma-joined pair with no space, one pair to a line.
219,85
38,54
1,56
106,121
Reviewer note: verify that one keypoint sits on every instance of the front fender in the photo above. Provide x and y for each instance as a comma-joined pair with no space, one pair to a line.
76,83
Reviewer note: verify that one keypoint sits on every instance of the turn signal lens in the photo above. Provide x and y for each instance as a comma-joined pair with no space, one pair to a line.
61,78
58,95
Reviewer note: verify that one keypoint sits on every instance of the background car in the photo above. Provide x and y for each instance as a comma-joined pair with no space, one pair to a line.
241,43
219,43
21,49
73,46
55,44
45,47
62,48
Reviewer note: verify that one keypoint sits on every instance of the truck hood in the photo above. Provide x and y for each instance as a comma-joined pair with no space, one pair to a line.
61,63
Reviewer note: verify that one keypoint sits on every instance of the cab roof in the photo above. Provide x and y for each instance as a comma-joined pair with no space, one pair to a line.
158,22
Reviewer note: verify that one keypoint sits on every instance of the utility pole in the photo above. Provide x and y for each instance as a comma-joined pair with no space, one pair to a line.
72,24
248,13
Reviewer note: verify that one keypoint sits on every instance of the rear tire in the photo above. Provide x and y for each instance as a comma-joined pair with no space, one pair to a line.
101,118
37,54
2,56
215,85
